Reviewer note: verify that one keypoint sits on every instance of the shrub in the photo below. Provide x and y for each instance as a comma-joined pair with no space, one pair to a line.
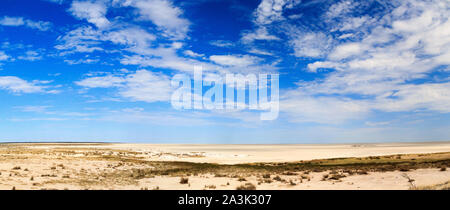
289,173
278,178
242,179
247,186
292,183
362,172
184,180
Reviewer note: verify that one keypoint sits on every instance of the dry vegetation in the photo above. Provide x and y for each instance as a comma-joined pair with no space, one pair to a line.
82,167
443,186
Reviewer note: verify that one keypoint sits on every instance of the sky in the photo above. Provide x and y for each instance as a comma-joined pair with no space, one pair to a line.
100,70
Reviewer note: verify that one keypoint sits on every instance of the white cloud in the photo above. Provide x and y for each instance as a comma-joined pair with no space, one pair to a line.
101,82
141,85
221,43
3,56
345,50
94,12
82,61
38,119
302,107
82,39
12,21
18,85
166,57
20,21
234,60
133,38
259,34
163,14
190,53
375,71
269,11
147,86
88,40
310,44
56,1
355,23
434,97
341,8
38,109
260,52
30,55
376,124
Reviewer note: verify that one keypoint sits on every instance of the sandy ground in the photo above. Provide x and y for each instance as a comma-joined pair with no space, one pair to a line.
80,166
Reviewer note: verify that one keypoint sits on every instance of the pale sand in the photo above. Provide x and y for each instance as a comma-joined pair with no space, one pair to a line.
64,166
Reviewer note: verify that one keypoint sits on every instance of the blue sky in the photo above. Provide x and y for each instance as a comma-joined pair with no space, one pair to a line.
350,71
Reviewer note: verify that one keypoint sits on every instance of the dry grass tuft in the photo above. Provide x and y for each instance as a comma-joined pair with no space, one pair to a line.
212,187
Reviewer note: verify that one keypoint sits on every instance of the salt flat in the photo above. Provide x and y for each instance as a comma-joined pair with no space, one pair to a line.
233,154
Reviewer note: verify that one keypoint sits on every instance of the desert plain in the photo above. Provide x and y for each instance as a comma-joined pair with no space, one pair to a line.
117,166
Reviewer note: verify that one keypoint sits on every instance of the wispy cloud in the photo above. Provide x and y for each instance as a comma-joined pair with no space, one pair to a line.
162,13
93,12
380,66
17,85
20,21
141,85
